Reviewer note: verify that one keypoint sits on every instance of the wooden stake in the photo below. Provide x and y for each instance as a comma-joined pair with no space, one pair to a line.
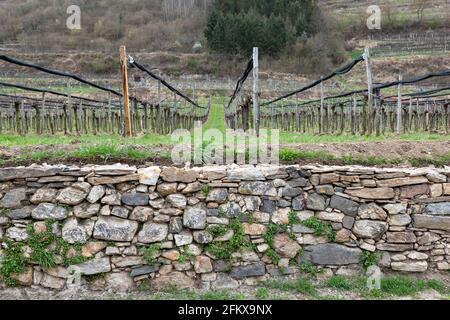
256,114
126,101
370,92
321,106
399,105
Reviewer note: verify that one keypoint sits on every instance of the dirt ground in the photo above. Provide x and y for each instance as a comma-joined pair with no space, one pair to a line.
386,149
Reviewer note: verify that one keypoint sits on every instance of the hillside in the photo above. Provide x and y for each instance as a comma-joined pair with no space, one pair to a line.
164,32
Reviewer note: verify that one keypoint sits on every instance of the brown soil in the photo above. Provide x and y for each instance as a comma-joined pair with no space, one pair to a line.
386,149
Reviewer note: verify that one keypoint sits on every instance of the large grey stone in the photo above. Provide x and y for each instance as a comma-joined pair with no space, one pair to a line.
291,192
46,211
119,282
74,232
372,193
153,232
369,229
173,279
438,209
141,214
315,202
120,212
29,172
117,169
149,176
249,173
96,266
18,214
401,237
285,246
115,229
400,220
86,210
251,270
331,254
140,271
113,199
177,201
44,195
17,234
326,189
135,199
52,282
394,247
399,182
298,204
224,282
183,239
395,208
372,211
218,195
431,222
416,266
171,174
268,206
71,196
347,206
203,237
257,188
230,209
194,218
13,198
298,182
96,193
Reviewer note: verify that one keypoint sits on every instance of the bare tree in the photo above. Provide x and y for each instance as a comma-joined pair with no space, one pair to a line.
420,6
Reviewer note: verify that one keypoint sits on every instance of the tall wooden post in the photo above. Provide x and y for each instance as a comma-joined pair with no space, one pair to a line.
69,106
297,114
399,104
410,115
256,114
17,116
367,128
352,112
126,101
321,106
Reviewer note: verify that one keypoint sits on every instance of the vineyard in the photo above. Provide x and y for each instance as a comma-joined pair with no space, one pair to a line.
157,107
355,112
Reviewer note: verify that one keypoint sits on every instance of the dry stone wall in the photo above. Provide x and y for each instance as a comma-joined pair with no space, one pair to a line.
117,226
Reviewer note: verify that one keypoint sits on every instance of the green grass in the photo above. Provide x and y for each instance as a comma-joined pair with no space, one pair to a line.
403,286
216,119
391,286
300,285
8,140
100,151
297,155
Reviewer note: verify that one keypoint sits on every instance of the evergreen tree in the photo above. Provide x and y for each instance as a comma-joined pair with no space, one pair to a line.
235,26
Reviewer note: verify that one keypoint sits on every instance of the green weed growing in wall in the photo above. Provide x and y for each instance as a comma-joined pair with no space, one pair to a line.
151,253
223,250
320,228
13,262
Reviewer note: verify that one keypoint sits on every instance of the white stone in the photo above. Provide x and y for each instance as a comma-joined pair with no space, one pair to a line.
149,176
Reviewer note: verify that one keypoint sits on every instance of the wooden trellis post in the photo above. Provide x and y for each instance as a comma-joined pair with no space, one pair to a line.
256,114
399,104
367,128
126,101
321,106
